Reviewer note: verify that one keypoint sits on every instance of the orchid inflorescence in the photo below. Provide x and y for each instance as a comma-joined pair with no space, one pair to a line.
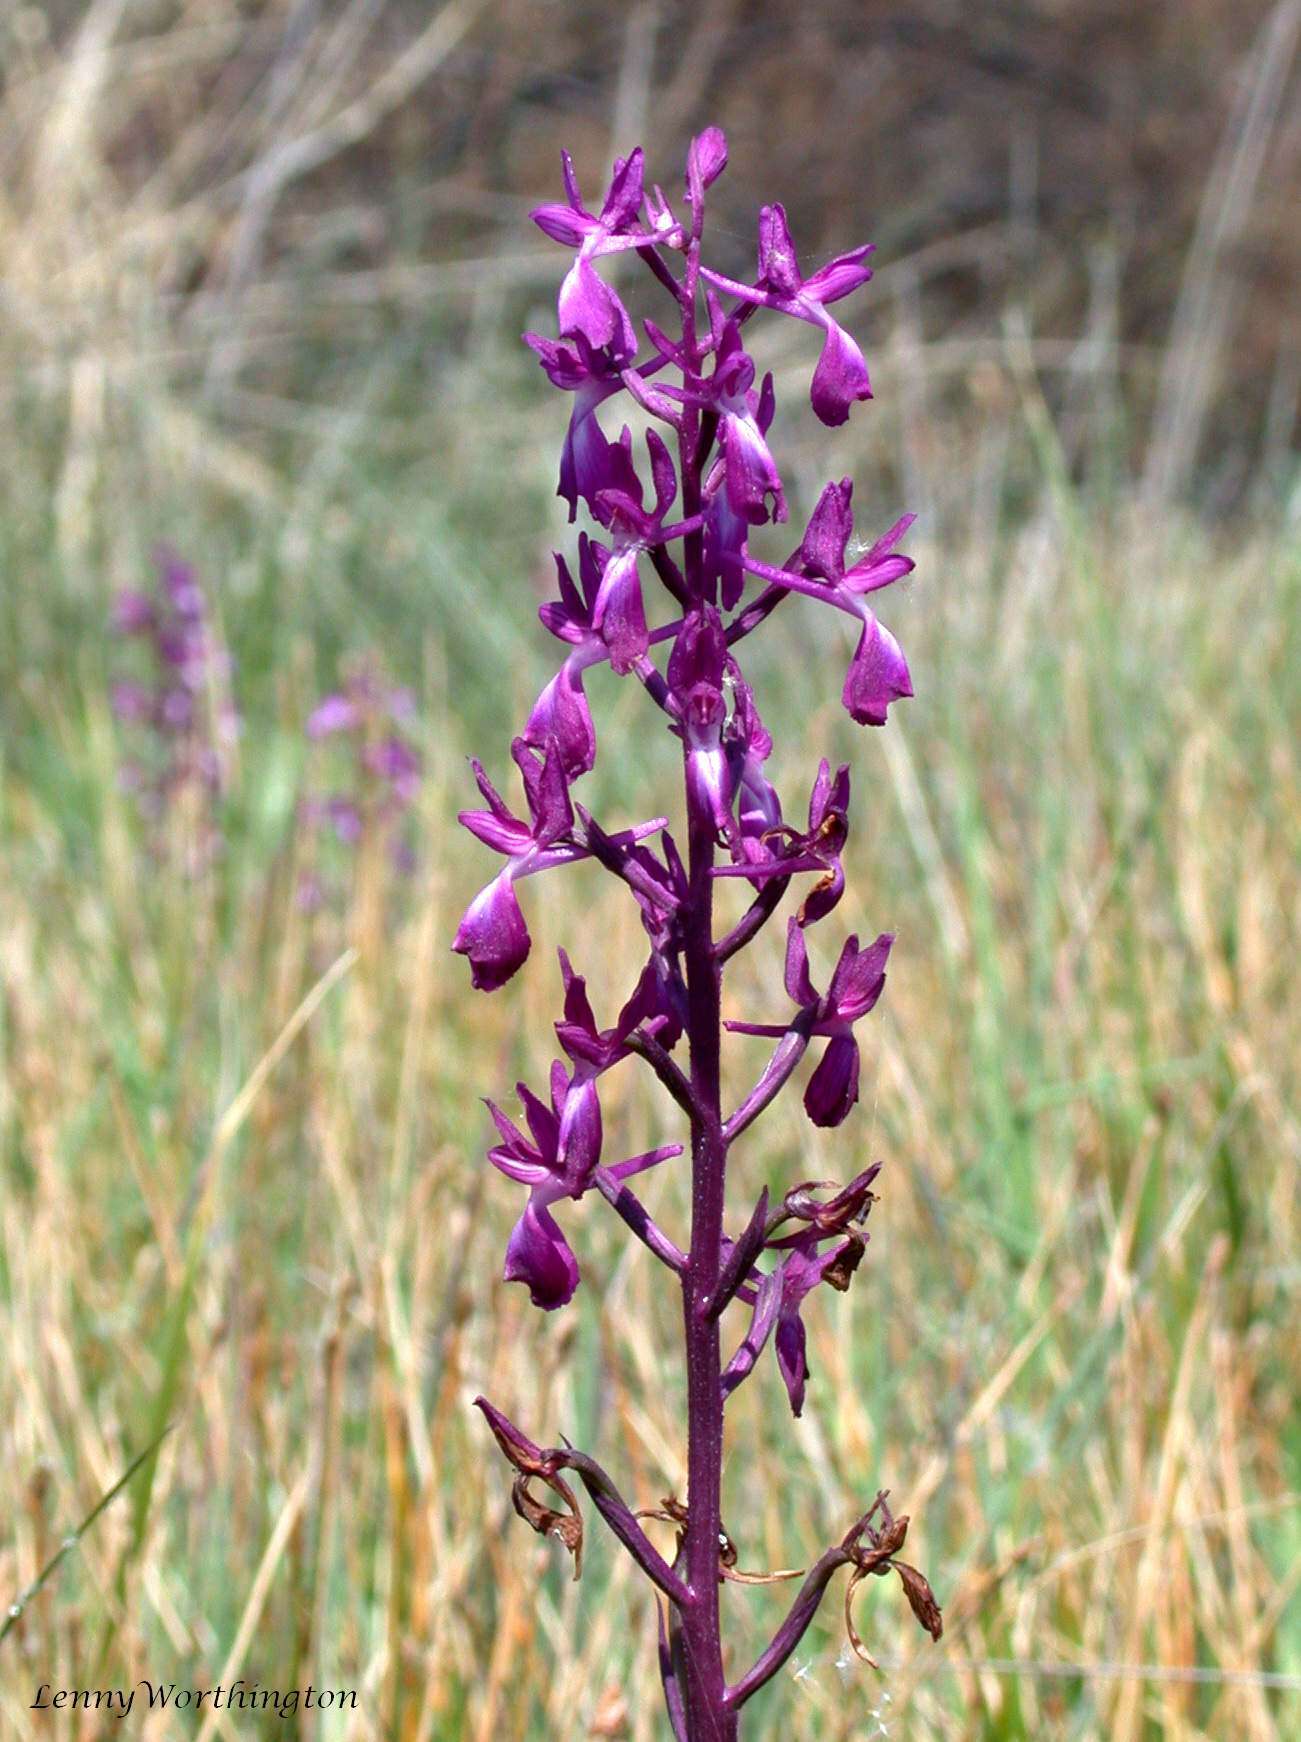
377,770
180,709
709,480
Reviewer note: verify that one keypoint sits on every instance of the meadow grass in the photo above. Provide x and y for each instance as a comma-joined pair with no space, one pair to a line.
245,1192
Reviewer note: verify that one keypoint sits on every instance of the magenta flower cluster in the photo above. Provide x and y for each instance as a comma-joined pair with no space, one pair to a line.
681,522
179,707
377,778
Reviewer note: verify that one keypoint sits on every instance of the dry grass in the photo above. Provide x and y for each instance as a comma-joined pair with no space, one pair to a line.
244,1186
1067,1355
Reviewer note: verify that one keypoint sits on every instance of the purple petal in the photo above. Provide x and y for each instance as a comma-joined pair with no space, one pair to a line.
878,675
752,474
564,364
547,789
394,760
695,670
792,1361
509,1132
133,612
563,224
726,532
706,157
507,836
859,978
839,276
833,1087
663,477
778,266
180,583
561,713
543,1120
537,1254
579,1148
587,459
625,195
336,713
822,554
799,986
588,306
636,1164
824,896
882,564
619,612
840,377
763,1316
709,783
345,819
131,701
493,935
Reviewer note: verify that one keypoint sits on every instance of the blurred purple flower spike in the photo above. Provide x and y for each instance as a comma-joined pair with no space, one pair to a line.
379,776
182,710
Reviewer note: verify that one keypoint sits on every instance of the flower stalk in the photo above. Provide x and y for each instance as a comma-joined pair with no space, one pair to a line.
713,481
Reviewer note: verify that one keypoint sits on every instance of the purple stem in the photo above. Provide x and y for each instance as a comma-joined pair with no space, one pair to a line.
740,1259
616,1513
763,1317
747,621
802,1611
669,572
753,920
788,1052
702,1681
629,1206
792,1629
672,1687
653,681
662,1063
661,271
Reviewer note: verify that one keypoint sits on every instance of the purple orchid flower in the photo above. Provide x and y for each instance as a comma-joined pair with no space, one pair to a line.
597,1049
182,713
618,611
772,849
492,932
560,1161
856,985
748,745
802,1270
747,472
561,711
695,678
381,773
878,672
592,376
841,375
804,1267
587,305
751,477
